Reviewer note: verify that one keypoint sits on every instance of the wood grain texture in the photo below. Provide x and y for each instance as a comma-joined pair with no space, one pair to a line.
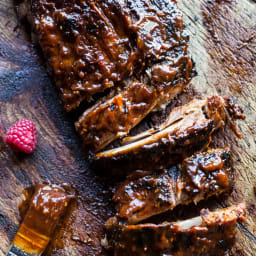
219,30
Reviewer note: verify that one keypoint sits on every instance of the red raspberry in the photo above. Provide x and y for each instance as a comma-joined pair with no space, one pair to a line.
22,136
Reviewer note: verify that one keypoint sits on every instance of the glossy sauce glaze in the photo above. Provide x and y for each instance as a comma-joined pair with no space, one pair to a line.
211,234
199,177
85,51
189,132
207,172
115,118
46,207
162,70
92,45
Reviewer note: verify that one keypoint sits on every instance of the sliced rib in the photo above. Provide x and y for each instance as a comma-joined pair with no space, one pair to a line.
187,129
210,234
115,117
197,178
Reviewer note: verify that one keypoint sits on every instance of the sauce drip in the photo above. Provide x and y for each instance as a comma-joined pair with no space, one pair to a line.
47,205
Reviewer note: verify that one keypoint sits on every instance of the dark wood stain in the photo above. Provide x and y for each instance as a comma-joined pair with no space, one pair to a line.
231,46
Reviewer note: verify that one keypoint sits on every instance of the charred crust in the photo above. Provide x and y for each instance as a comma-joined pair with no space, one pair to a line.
199,177
92,28
68,27
208,238
174,149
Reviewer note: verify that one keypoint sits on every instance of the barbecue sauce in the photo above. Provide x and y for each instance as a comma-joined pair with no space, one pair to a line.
197,178
211,234
208,173
172,144
92,45
115,119
47,205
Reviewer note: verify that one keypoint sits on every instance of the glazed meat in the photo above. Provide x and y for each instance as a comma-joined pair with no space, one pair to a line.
211,234
94,45
115,117
199,177
187,129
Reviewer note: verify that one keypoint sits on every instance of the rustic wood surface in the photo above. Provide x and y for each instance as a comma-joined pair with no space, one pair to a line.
223,45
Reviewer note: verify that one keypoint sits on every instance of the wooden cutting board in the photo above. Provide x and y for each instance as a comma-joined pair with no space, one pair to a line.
223,45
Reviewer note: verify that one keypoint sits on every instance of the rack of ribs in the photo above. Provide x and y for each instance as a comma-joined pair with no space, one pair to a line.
94,45
210,234
197,178
135,53
187,129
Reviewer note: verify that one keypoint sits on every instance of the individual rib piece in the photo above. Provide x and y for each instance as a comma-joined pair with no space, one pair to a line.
92,45
199,177
187,130
114,118
210,234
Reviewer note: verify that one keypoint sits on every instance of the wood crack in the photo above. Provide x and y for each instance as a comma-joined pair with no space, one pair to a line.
247,232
